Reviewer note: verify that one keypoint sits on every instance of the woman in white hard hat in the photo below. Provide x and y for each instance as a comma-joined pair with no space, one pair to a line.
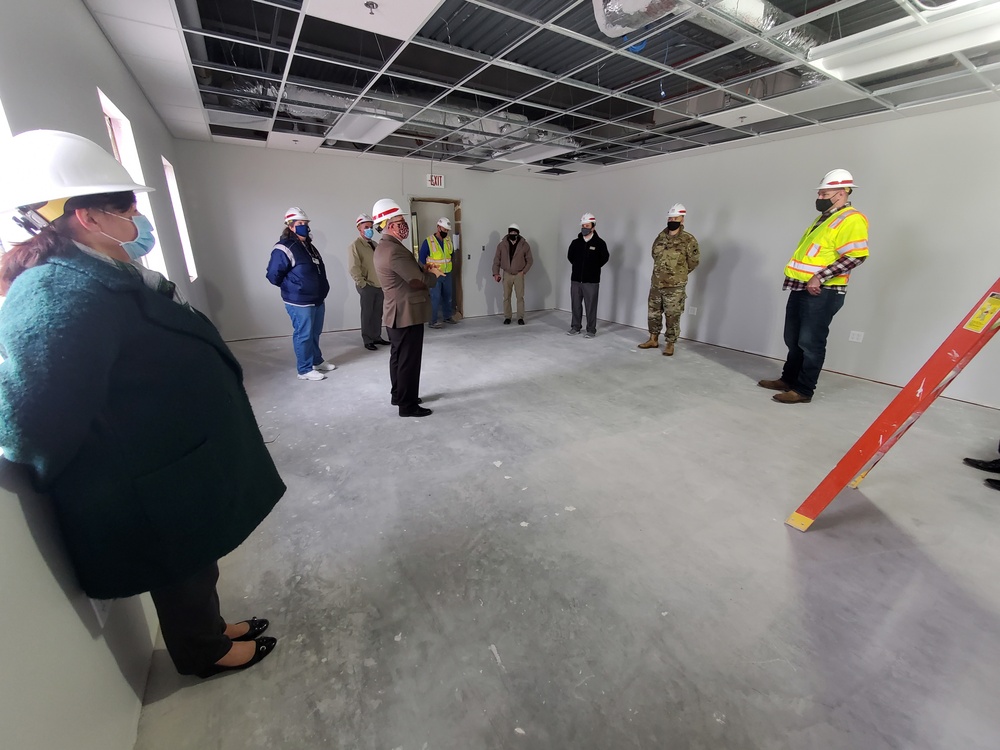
123,402
297,268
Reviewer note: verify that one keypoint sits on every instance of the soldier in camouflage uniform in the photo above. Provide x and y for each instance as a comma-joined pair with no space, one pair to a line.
675,255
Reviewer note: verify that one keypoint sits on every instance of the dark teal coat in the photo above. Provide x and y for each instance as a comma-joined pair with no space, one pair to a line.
130,411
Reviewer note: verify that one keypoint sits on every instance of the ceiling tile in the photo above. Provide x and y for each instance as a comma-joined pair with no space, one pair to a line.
143,39
399,19
294,141
739,116
155,12
190,130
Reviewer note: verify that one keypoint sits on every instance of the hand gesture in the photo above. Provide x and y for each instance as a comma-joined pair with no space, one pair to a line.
496,277
435,269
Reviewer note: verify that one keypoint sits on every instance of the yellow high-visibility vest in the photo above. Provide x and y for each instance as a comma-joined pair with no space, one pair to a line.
844,232
437,252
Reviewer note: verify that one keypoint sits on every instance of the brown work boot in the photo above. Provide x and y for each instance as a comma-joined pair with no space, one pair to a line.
668,349
791,397
774,385
653,343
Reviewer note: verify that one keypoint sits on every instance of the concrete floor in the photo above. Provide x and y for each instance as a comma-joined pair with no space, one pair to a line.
584,548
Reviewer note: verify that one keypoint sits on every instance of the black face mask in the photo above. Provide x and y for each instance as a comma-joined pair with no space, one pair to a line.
824,204
513,237
443,234
673,226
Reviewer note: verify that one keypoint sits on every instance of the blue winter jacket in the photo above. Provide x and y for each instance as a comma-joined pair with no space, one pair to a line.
298,269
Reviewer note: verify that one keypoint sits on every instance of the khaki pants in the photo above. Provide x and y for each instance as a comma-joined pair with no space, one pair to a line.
513,281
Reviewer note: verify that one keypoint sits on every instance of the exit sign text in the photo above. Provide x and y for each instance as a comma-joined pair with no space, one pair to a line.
435,181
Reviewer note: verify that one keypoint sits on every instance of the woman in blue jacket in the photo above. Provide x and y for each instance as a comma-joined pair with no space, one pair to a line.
124,403
296,267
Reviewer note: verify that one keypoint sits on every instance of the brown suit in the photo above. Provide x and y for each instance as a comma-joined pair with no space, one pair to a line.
514,270
396,268
404,313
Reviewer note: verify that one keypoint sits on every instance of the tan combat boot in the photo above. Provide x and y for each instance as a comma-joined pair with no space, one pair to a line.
653,343
668,349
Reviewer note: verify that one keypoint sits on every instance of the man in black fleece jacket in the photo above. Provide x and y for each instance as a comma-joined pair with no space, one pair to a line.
587,254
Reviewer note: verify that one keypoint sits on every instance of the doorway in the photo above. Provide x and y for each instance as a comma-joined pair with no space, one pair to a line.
424,216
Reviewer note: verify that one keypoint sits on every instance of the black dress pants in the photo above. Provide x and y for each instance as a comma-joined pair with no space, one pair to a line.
405,356
190,621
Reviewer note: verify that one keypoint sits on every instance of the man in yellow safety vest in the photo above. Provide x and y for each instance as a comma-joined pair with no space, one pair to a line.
437,250
816,278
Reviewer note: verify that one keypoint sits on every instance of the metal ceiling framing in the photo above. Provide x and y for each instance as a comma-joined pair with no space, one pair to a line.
531,41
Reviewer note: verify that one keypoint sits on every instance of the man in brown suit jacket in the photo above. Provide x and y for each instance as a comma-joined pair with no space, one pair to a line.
407,305
514,257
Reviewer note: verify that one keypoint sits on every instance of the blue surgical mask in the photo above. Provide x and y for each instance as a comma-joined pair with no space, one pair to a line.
369,232
302,230
144,241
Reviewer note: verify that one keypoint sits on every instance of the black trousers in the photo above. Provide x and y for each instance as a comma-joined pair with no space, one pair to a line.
371,313
404,365
807,327
190,621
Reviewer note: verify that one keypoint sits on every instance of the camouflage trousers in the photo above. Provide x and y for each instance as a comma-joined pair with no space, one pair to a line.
666,302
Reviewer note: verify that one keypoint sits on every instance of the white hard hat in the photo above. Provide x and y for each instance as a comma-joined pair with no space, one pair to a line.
385,209
362,219
513,226
444,223
48,166
295,214
677,210
836,179
588,218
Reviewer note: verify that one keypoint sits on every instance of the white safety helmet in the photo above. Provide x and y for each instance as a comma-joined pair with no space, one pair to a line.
295,214
837,179
444,223
43,168
513,226
385,209
588,218
677,210
362,219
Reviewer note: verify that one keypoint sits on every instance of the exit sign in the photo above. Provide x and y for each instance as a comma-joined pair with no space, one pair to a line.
435,181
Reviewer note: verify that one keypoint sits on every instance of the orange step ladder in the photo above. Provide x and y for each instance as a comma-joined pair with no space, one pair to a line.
964,343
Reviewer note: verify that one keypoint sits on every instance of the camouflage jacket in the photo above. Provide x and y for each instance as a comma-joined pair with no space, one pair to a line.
674,258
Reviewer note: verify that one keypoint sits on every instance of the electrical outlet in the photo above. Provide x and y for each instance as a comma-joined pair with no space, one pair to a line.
484,248
692,310
856,336
469,257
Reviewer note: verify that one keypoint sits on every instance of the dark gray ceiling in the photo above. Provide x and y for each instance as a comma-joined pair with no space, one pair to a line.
482,80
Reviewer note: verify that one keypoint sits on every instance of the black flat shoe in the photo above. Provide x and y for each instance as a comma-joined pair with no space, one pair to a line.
396,403
382,342
421,412
976,463
257,626
520,321
506,321
265,646
371,347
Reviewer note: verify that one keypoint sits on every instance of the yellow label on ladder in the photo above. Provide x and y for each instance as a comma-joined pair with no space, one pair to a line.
984,315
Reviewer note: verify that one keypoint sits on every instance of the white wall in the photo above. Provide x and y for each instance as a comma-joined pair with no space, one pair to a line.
928,185
64,681
237,196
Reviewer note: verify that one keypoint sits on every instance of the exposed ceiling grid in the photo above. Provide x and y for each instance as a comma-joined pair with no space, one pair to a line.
542,86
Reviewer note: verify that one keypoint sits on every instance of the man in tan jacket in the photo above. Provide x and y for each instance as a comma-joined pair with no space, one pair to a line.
407,305
514,257
361,257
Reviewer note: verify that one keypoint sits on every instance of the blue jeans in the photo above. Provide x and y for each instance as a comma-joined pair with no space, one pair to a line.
807,325
307,325
441,302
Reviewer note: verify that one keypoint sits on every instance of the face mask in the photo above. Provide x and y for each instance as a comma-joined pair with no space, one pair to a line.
144,241
673,226
513,237
368,233
302,230
402,230
823,204
587,233
444,233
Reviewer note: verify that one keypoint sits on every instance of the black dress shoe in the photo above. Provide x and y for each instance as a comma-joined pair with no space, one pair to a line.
396,403
994,483
506,321
520,321
265,645
382,342
371,347
418,412
257,626
976,463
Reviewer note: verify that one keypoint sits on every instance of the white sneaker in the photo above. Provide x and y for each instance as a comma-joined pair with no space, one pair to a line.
589,335
325,366
312,375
